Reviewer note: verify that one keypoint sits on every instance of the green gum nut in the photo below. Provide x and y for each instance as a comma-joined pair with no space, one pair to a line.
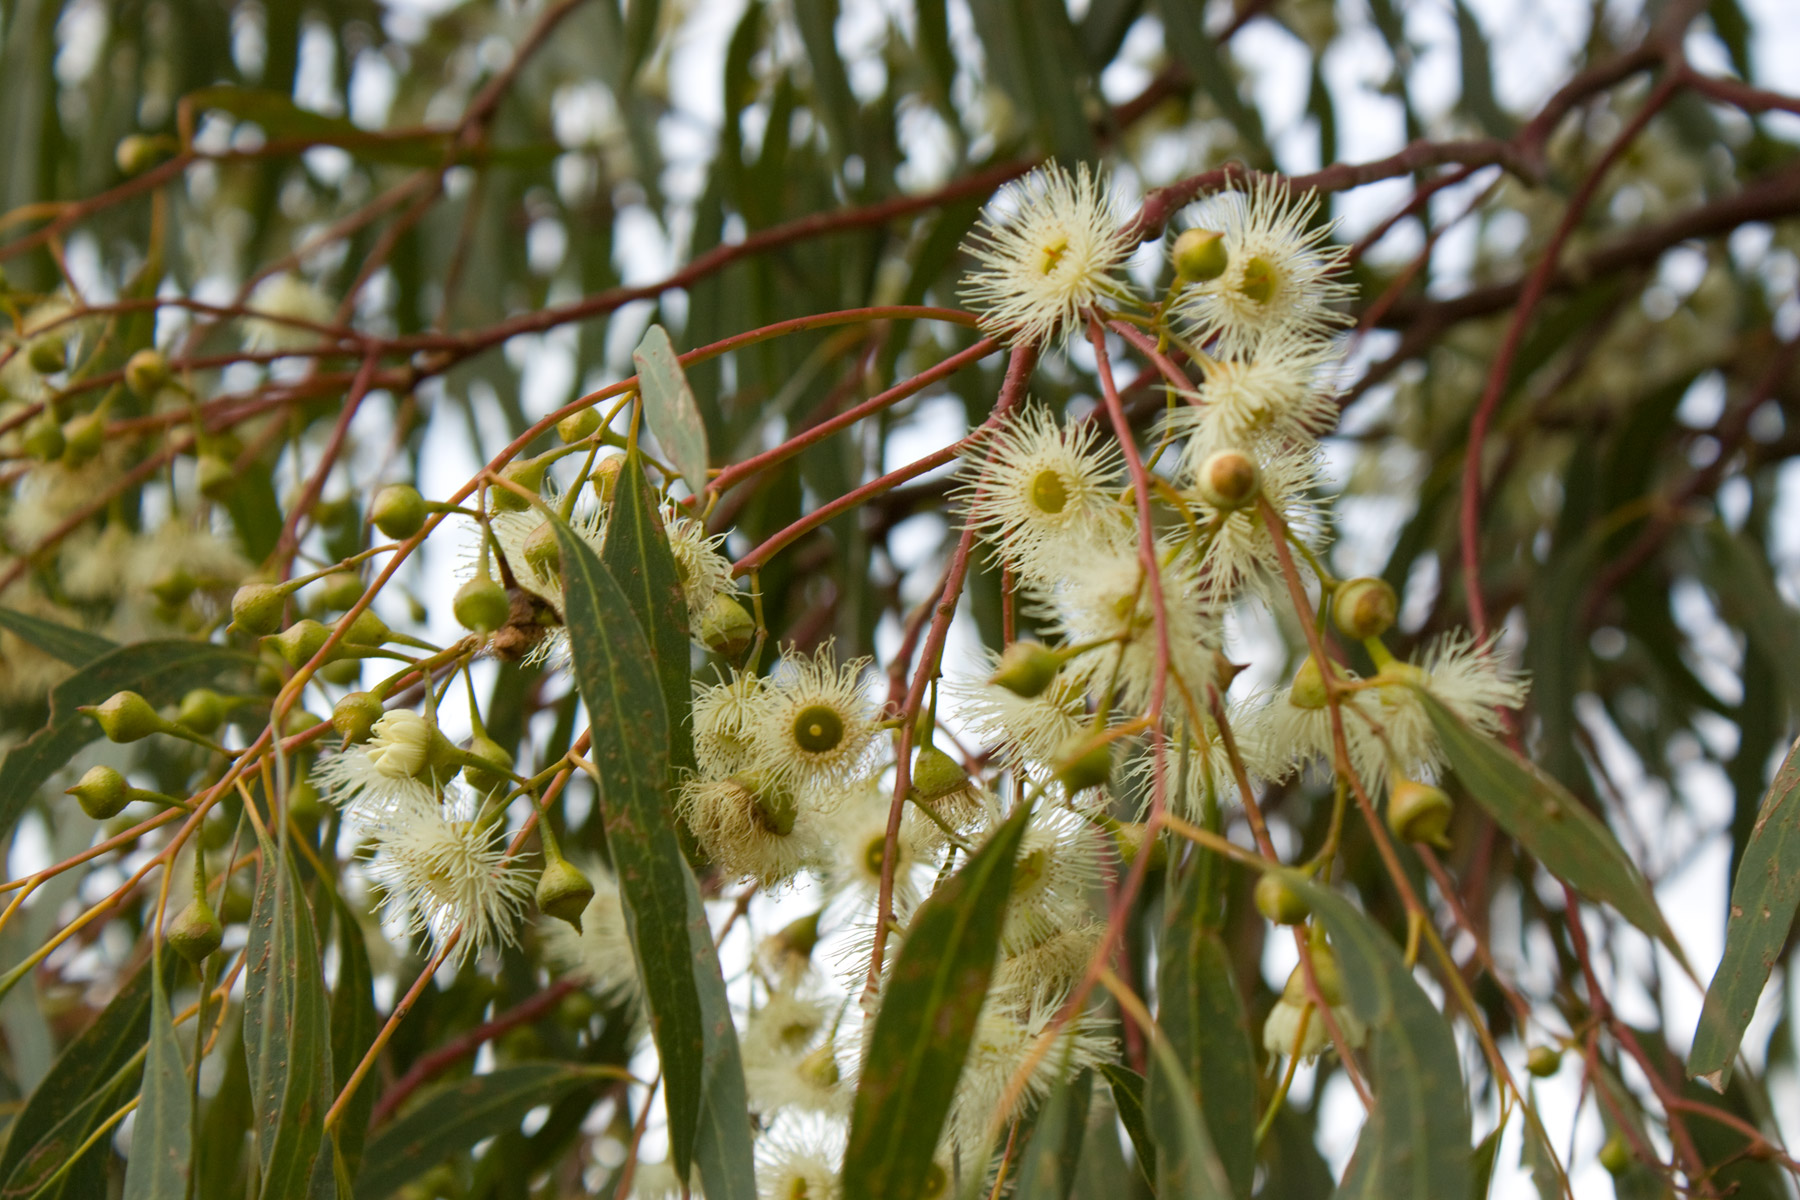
196,931
481,605
604,478
341,590
725,627
578,426
1364,608
1543,1061
528,474
542,552
1084,763
563,891
202,710
1279,902
1026,669
936,775
256,608
145,373
491,778
1228,480
215,476
83,438
300,641
399,511
355,715
127,717
102,793
48,354
1199,255
1418,812
174,586
43,437
367,630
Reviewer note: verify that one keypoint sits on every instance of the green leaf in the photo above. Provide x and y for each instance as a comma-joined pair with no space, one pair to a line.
287,1031
158,1167
1184,27
1478,76
637,555
96,1068
1415,1143
1537,1158
1047,1169
1199,1011
1128,1100
1481,1164
448,1119
1187,1161
354,1023
670,408
833,101
1739,577
280,118
703,1079
927,1019
1537,812
59,641
1764,898
161,670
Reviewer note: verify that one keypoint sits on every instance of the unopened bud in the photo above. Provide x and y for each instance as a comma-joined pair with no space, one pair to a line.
1228,480
542,552
481,604
145,373
202,710
798,938
578,425
48,354
488,779
528,474
127,717
342,671
1026,669
1325,970
563,891
196,931
772,803
1200,255
102,793
604,478
256,608
83,437
355,715
935,774
1543,1061
1134,838
1615,1155
1083,763
820,1068
43,437
725,627
342,590
215,476
398,511
136,153
174,586
1364,608
1279,902
1308,688
300,641
1418,812
367,630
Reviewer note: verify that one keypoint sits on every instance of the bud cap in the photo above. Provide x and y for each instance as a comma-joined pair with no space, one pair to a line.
1026,669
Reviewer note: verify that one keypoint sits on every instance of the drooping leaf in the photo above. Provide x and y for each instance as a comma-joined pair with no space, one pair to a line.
703,1081
1481,1164
1537,1157
354,1023
1199,1011
1536,811
1747,597
1187,1161
1047,1169
1478,98
62,642
1764,898
287,1029
670,408
1415,1142
158,1167
1128,1099
1184,24
922,1033
281,118
449,1118
161,670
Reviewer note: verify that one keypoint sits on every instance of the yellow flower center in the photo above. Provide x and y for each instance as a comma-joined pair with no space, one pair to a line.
1260,280
1051,255
818,729
1049,494
874,854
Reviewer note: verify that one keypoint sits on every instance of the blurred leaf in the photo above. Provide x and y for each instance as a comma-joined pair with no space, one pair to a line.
1128,1098
1184,28
1200,1013
255,511
1733,28
1739,577
1103,29
354,1023
59,641
833,102
1764,898
703,1080
1187,1161
1321,108
1052,1156
641,18
158,1166
287,1030
927,1018
1415,1142
1032,51
93,1075
1478,76
1292,1166
446,1120
161,670
1481,1165
280,118
1537,1158
1536,811
669,407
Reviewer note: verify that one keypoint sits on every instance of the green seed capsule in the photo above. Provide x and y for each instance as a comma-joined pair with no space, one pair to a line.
196,931
1084,764
355,715
398,511
935,774
563,891
102,793
145,373
578,426
481,605
202,710
1364,608
1200,255
1279,902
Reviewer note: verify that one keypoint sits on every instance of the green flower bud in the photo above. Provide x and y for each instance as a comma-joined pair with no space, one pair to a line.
137,153
196,931
102,793
1228,480
127,717
202,710
1084,763
799,938
43,438
367,630
563,891
542,552
1325,970
604,478
1543,1061
772,803
83,437
490,779
256,608
1133,838
341,590
1418,812
481,604
1615,1155
398,511
174,586
1364,608
145,373
298,721
355,715
725,627
1279,902
48,354
1026,669
300,641
935,774
343,671
1200,255
578,426
215,476
528,474
1308,688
